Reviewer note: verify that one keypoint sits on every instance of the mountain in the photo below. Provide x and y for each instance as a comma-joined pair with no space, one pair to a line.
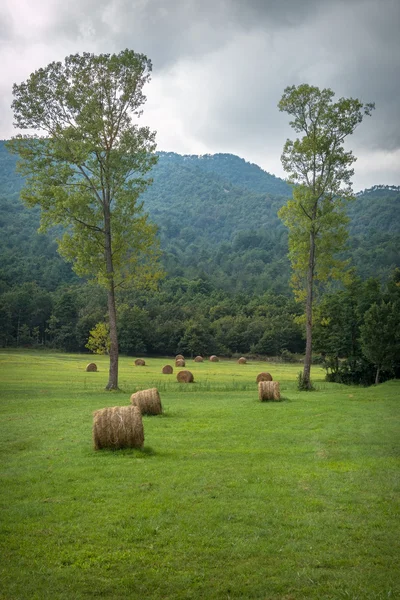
375,231
217,216
184,195
237,171
25,254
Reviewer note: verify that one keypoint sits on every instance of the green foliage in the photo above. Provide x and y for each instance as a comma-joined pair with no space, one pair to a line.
374,243
380,336
212,274
235,170
243,248
321,170
88,170
134,329
99,339
326,219
356,329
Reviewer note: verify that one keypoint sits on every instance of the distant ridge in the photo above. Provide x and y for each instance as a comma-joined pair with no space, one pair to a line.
237,171
217,218
379,187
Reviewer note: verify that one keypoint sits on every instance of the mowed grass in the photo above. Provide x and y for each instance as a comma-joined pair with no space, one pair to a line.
230,498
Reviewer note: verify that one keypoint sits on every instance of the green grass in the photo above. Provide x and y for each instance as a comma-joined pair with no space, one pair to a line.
230,498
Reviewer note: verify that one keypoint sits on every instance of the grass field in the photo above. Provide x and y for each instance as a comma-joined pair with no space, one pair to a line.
229,498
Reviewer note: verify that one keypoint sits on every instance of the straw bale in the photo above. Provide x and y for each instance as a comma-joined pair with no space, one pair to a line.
185,377
242,360
91,367
180,362
198,359
179,357
269,390
167,370
139,362
148,401
118,427
263,377
214,358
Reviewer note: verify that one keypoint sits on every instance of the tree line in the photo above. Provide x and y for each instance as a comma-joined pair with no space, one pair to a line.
356,329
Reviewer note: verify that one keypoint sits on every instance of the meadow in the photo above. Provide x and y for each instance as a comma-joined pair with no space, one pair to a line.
230,498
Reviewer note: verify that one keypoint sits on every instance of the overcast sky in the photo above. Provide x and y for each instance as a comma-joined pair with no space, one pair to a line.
220,67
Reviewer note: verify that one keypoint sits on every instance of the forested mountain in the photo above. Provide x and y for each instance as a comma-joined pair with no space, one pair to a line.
217,216
224,252
25,254
375,231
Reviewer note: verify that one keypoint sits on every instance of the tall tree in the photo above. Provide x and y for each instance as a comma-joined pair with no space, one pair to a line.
320,170
88,167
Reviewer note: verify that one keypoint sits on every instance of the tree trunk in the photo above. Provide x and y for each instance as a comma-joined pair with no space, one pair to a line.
309,305
377,375
112,316
112,312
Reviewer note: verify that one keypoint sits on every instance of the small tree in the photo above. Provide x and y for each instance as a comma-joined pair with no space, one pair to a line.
380,336
99,339
320,170
88,170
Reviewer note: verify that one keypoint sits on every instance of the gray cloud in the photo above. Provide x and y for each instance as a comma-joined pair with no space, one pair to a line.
220,67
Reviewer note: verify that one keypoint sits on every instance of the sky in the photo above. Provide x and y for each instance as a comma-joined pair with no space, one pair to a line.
220,67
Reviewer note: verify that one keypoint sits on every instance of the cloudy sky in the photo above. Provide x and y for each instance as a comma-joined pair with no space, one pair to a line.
220,67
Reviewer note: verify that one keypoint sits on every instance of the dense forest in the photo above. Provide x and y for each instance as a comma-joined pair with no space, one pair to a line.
224,252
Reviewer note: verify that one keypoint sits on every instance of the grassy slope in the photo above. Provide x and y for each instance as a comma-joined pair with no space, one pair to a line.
230,497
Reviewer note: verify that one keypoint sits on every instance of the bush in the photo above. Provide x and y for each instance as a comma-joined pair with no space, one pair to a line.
357,371
287,356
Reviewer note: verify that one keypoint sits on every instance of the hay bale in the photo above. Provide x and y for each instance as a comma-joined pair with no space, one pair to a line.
263,377
198,359
269,390
179,357
180,362
242,360
118,427
214,358
139,362
185,377
91,367
148,401
167,370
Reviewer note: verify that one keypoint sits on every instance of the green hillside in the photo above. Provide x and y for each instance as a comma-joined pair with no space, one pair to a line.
217,217
25,254
375,231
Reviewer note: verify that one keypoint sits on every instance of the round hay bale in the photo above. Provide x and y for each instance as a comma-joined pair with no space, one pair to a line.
139,362
118,427
198,359
180,362
179,357
214,358
148,401
185,377
269,390
91,367
263,377
242,360
167,370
